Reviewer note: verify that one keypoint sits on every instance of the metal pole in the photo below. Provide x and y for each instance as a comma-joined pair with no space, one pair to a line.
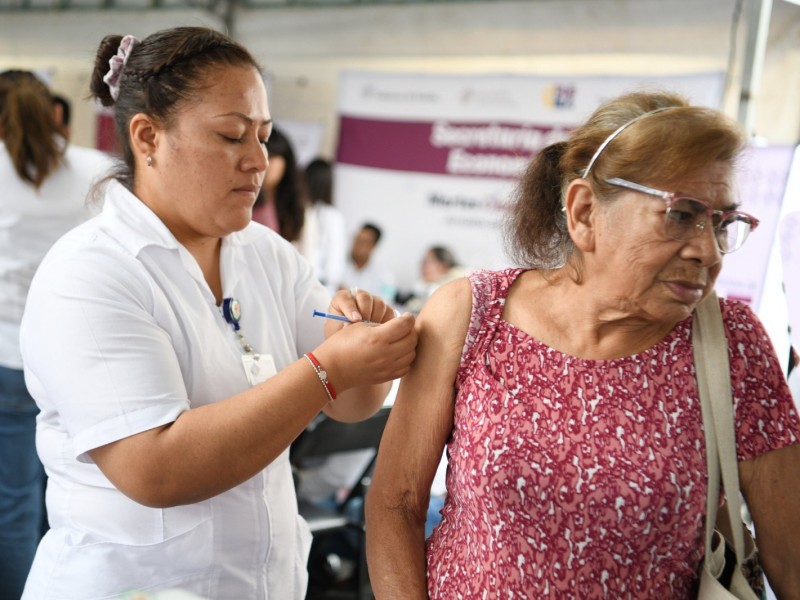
757,31
229,17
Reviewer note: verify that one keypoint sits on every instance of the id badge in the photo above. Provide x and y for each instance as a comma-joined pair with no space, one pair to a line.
258,367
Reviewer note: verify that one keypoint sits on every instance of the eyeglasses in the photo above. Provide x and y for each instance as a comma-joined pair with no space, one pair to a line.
686,218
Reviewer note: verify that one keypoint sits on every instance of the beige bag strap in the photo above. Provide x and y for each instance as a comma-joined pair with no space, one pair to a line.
710,348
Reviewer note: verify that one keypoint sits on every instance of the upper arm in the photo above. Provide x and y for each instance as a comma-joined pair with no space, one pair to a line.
771,486
422,416
135,465
767,433
95,354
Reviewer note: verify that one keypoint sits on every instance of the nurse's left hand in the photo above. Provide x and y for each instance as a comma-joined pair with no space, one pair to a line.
357,305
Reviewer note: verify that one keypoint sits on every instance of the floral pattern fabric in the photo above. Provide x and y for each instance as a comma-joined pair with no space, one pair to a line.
575,478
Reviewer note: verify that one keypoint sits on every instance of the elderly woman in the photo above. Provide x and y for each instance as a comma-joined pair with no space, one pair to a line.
565,393
170,346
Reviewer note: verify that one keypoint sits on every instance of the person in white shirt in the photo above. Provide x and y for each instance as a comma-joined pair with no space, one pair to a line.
170,345
44,182
323,240
366,272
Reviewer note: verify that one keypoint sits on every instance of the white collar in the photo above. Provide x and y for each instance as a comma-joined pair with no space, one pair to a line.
135,226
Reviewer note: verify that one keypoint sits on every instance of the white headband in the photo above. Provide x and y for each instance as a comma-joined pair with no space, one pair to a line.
616,133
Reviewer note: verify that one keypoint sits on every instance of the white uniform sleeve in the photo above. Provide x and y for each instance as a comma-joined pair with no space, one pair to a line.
309,294
335,259
93,352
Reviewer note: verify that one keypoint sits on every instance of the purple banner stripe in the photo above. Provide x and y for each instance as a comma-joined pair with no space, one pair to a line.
394,145
447,148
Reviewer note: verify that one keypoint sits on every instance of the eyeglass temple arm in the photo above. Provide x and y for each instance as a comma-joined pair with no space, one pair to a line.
638,187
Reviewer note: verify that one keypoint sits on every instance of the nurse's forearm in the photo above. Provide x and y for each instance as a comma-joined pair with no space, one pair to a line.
210,449
358,403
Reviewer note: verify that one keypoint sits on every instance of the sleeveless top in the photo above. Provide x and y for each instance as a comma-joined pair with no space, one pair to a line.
577,478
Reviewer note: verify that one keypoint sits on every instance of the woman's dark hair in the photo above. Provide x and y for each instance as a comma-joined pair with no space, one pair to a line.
289,200
657,150
27,126
319,181
374,229
66,109
444,256
164,73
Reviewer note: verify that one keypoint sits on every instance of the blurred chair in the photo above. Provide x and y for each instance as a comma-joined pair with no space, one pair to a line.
340,526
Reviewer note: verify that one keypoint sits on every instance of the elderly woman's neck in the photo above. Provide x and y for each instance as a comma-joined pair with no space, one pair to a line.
580,319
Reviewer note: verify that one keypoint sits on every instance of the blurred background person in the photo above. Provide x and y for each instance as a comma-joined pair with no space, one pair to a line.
280,205
439,265
364,270
44,183
62,112
323,238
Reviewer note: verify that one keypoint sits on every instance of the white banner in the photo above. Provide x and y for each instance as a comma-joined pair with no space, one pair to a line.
761,187
790,253
432,159
305,137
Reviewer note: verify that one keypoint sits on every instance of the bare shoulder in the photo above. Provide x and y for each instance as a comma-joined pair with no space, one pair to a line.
446,314
424,406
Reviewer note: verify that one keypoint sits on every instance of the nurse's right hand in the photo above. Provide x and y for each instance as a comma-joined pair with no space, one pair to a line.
365,354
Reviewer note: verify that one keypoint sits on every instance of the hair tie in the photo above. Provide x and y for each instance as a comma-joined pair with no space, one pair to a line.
117,64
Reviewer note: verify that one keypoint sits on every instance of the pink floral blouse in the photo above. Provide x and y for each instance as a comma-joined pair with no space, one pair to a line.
573,478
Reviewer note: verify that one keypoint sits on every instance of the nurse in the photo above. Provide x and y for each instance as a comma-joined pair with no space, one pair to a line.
170,347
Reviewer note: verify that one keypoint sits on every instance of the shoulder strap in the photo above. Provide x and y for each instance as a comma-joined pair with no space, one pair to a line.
489,290
714,387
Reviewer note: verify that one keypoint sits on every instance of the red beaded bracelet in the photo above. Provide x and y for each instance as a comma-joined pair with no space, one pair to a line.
322,374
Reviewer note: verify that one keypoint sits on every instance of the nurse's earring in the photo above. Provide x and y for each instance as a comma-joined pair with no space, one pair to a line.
149,161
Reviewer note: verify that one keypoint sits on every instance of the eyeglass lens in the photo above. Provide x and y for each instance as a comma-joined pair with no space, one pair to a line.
686,218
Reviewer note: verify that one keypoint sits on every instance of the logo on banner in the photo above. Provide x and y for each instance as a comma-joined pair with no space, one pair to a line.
469,210
559,96
493,99
373,92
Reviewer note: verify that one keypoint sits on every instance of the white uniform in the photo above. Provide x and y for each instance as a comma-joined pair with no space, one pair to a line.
375,278
31,220
121,334
323,241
